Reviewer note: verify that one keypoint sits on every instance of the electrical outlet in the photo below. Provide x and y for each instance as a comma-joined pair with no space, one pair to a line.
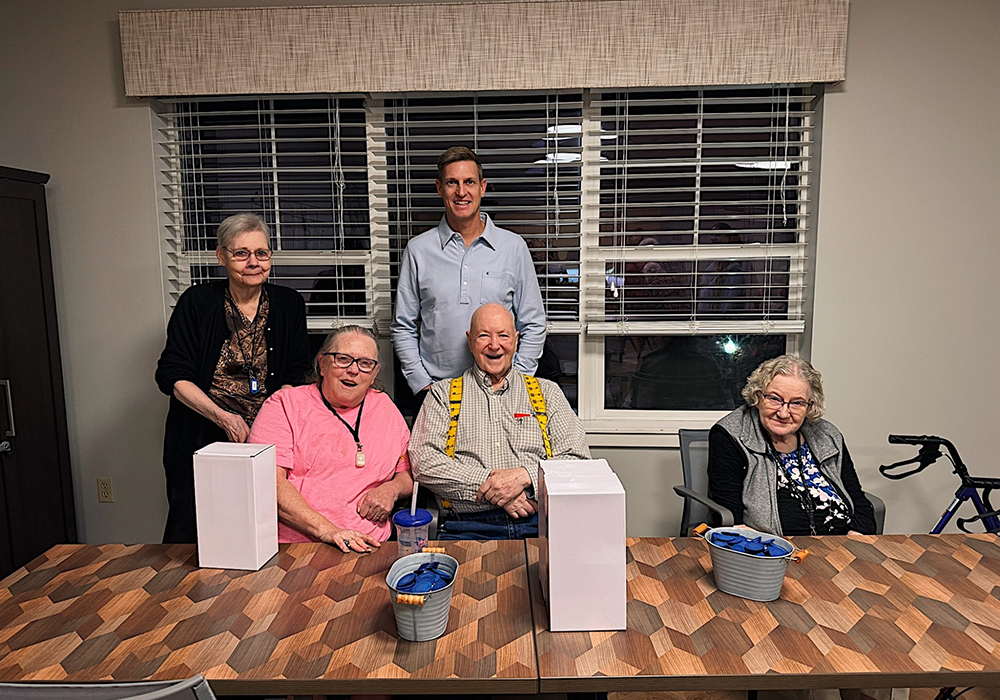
105,491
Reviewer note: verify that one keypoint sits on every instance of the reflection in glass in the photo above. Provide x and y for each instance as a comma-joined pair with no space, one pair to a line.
680,373
559,363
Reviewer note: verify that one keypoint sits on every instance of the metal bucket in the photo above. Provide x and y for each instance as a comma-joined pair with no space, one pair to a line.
421,617
746,575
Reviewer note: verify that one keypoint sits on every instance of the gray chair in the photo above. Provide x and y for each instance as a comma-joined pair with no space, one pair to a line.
698,507
195,688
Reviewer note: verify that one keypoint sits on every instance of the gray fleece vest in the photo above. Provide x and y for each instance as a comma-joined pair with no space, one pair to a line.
760,488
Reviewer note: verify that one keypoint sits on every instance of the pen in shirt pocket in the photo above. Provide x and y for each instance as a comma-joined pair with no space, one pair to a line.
521,415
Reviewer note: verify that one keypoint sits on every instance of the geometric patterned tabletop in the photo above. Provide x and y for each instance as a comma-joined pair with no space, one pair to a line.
859,612
312,620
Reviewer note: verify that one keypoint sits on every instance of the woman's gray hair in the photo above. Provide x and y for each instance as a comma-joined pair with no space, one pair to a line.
790,366
243,222
331,340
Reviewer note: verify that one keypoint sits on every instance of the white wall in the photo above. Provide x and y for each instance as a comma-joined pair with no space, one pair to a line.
905,279
908,261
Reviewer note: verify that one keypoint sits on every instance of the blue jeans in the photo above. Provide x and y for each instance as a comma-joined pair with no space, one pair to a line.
490,525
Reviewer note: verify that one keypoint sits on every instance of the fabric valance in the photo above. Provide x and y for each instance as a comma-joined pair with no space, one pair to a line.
523,45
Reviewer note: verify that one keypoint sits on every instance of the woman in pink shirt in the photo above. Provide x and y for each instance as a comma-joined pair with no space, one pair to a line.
340,448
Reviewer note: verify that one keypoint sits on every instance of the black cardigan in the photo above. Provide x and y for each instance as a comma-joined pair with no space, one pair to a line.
195,334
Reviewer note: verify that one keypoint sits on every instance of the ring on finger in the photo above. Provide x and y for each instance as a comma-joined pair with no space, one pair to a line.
347,543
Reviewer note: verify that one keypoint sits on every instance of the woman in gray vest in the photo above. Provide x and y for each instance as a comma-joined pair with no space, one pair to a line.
778,466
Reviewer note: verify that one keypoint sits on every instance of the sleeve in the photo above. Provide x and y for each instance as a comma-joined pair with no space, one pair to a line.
727,470
298,363
529,312
403,437
403,329
453,479
863,520
179,358
273,426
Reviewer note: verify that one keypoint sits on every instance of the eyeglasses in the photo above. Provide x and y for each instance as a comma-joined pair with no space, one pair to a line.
241,255
775,403
343,361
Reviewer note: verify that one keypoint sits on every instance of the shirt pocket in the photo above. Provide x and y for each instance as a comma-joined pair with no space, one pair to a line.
525,435
498,288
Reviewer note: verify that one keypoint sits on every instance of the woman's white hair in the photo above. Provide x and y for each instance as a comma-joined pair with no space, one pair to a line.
790,366
243,222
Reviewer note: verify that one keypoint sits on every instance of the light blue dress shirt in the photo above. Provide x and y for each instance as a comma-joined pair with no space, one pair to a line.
441,284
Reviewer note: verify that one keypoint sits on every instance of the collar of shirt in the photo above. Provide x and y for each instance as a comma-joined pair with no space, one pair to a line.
487,384
446,232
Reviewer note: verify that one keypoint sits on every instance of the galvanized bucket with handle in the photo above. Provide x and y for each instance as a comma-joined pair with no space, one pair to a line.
747,575
421,617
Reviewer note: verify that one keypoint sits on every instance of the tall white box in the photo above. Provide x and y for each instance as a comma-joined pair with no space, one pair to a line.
582,546
236,502
547,469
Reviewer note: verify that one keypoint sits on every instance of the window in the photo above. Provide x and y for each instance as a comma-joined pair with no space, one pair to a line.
531,147
669,228
302,164
699,230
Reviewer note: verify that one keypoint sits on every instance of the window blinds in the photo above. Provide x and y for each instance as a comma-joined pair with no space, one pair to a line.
701,203
299,162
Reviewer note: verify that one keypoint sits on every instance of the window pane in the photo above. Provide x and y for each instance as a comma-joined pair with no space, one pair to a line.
531,149
702,205
733,289
683,372
299,162
559,363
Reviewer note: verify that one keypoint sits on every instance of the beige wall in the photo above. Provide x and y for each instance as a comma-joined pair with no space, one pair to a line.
907,261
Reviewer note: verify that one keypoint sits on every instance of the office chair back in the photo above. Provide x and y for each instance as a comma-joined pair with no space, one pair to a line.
195,688
694,463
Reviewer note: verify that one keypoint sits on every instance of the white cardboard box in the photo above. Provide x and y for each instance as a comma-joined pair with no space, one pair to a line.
236,503
582,546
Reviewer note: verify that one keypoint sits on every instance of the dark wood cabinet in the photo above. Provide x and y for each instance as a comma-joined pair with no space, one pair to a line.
36,488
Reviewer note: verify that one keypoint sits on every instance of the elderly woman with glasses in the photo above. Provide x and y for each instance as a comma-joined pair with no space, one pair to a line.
230,344
778,466
341,448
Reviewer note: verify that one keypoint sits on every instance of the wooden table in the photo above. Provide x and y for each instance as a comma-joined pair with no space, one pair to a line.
883,611
312,620
860,612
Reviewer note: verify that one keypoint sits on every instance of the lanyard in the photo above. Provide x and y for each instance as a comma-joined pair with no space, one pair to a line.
359,458
803,495
238,317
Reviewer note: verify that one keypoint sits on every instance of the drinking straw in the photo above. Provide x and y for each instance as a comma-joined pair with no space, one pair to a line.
413,501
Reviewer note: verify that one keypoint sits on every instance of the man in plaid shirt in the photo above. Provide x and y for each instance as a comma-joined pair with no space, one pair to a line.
486,488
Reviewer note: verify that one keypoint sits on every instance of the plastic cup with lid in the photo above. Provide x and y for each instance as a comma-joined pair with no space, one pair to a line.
411,530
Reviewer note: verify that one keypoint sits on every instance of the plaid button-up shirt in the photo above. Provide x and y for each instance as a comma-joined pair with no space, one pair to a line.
496,430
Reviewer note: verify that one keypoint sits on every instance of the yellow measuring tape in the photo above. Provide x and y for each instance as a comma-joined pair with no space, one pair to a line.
537,407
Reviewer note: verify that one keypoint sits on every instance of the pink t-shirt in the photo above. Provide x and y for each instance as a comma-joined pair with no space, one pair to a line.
318,451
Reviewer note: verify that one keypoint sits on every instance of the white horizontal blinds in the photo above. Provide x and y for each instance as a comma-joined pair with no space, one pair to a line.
300,163
530,147
701,223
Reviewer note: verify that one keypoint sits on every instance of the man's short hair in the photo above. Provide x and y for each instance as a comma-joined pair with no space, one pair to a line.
456,154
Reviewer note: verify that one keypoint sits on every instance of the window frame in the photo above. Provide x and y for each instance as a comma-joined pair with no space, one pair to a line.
605,427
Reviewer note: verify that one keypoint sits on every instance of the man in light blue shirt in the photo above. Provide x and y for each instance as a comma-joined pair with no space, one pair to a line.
451,270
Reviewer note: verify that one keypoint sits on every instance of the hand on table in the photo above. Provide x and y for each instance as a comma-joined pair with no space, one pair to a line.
376,504
350,540
504,485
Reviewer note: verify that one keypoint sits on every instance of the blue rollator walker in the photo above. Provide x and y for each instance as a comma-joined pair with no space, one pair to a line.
930,452
973,488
